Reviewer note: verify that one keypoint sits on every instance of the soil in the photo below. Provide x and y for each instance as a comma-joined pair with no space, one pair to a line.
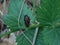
4,43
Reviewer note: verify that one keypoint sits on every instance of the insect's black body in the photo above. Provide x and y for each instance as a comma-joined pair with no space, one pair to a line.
27,20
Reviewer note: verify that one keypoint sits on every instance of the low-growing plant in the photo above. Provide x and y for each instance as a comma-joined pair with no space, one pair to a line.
44,26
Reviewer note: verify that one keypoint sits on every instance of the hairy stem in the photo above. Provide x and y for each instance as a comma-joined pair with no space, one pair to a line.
31,27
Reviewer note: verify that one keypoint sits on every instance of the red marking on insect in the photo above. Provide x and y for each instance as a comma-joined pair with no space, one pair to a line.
27,20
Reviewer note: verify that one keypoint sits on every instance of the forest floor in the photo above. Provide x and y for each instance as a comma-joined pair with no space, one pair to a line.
3,43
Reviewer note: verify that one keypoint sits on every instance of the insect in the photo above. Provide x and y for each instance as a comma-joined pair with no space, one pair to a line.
27,20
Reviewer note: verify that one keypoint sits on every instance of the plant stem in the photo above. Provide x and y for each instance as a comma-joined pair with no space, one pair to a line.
1,35
35,36
32,26
26,37
20,13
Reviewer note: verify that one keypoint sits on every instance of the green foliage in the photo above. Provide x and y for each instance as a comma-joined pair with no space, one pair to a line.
21,39
49,12
11,19
51,35
48,15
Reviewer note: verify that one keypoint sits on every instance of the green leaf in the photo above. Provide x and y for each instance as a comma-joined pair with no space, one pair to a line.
51,35
49,12
11,19
21,40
